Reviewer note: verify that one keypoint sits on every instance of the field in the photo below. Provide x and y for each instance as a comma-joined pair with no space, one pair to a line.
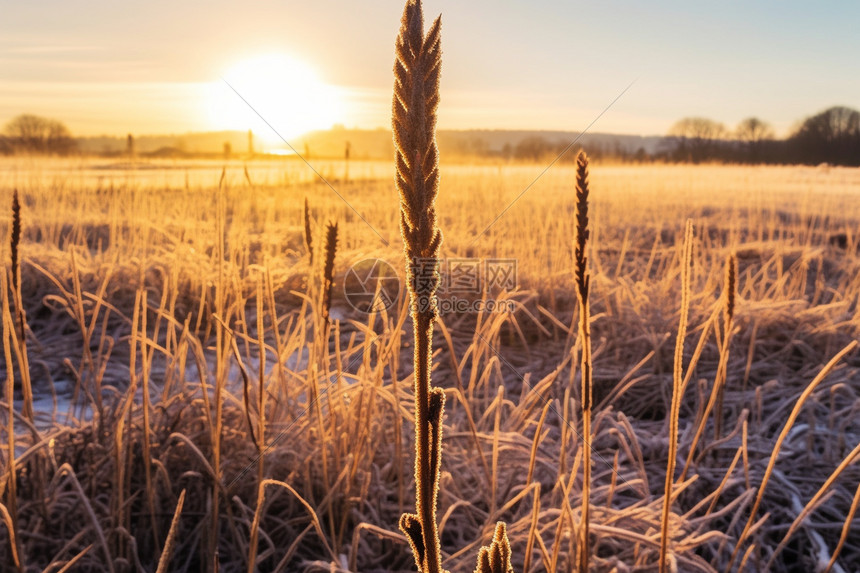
192,402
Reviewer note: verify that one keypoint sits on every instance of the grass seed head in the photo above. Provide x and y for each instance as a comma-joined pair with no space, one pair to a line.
497,557
308,236
328,269
731,273
582,232
16,237
416,100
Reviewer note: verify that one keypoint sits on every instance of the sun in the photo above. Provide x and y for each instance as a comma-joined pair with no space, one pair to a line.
282,90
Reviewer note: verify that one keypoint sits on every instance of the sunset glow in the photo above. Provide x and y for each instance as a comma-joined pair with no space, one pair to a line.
234,338
277,89
508,65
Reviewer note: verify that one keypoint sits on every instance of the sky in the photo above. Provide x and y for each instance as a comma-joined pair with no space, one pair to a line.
158,67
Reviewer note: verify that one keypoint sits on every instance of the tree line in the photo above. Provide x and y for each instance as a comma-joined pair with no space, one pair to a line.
831,136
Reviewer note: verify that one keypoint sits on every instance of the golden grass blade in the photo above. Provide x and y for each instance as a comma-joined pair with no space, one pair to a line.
164,559
10,530
533,530
67,568
720,379
686,267
846,527
10,473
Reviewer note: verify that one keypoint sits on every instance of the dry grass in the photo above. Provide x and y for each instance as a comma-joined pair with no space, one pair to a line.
133,295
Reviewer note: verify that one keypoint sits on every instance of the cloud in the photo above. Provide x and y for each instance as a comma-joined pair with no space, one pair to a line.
50,49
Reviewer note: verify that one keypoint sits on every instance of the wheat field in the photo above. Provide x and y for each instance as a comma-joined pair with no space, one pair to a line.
193,407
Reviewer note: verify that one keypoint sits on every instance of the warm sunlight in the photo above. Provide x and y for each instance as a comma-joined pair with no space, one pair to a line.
285,91
233,338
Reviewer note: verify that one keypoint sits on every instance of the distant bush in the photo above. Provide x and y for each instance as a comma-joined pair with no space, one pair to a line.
34,134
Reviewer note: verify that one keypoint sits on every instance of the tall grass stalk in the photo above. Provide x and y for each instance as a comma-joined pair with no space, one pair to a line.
15,239
10,473
146,358
328,270
125,435
416,99
309,239
15,244
716,397
582,287
261,381
677,391
20,317
720,379
533,526
222,350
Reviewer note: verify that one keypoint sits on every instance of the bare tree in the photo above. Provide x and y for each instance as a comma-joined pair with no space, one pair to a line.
752,129
36,134
753,134
832,136
696,139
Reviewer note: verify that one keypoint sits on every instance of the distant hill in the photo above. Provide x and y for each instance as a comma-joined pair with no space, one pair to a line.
191,143
473,142
497,139
377,144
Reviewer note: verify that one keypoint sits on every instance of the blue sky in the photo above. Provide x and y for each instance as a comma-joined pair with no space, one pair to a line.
152,67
